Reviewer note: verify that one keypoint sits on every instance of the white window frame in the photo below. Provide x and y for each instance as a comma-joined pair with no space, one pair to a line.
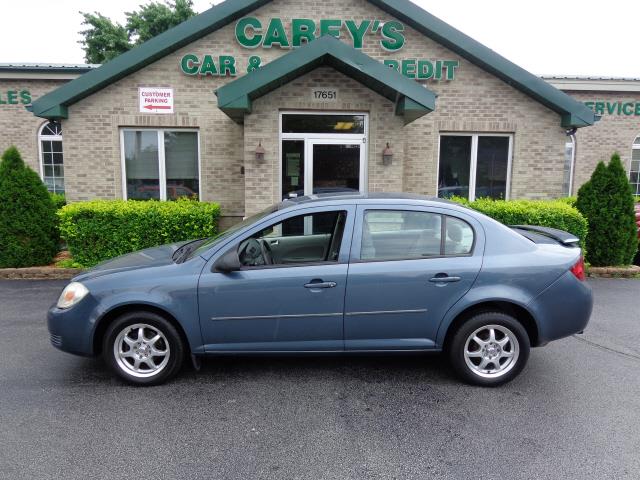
50,138
162,166
634,146
329,138
474,160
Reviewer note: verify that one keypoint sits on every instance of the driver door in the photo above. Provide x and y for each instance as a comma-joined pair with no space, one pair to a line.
289,293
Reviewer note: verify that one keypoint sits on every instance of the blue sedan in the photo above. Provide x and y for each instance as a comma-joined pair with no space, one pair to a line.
334,274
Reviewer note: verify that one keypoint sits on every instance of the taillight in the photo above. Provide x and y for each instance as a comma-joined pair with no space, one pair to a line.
578,269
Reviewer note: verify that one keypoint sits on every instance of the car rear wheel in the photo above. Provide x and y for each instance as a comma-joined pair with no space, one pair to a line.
143,348
489,349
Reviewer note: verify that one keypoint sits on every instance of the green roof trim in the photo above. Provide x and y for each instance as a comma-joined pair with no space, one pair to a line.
412,100
145,54
573,113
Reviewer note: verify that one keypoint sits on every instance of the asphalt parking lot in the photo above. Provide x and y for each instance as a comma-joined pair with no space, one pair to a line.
574,412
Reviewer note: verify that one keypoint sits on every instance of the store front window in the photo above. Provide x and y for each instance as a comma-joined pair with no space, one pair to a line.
160,164
634,172
322,153
474,166
51,157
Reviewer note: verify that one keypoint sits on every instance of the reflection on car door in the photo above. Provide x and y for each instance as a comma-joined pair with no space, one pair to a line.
284,307
400,281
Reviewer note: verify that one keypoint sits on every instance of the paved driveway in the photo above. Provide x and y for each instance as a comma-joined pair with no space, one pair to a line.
574,412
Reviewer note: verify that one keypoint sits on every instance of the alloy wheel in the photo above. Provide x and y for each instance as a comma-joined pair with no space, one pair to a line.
491,351
141,350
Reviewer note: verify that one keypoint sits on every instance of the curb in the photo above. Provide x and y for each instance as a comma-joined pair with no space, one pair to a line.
632,271
38,273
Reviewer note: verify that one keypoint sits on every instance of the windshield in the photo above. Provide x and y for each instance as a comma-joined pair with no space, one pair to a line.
211,241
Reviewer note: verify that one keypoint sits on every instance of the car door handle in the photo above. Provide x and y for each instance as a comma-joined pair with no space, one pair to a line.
444,278
320,284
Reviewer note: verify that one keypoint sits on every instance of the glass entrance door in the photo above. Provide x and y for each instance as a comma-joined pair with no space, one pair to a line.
323,153
335,167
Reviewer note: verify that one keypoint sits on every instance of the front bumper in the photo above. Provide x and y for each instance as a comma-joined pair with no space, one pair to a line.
71,329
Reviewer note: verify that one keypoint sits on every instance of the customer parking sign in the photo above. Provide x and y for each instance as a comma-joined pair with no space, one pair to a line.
155,100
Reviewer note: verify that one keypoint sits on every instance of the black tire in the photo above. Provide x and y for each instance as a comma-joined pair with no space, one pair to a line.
492,375
169,342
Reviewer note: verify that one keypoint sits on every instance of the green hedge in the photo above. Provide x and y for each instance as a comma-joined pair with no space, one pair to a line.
103,229
58,200
547,213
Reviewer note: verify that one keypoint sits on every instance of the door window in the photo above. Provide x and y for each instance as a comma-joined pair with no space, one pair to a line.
406,234
302,239
336,168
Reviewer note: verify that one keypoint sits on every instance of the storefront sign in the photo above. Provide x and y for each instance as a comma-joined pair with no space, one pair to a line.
155,100
614,108
15,97
252,33
320,94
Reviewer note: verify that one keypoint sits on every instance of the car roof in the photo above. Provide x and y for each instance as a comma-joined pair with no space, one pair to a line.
365,198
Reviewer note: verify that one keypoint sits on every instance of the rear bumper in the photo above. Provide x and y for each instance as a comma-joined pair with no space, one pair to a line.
562,309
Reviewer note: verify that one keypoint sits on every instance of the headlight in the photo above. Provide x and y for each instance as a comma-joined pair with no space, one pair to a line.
72,294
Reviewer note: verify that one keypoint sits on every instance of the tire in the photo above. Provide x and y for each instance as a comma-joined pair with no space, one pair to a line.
150,359
473,353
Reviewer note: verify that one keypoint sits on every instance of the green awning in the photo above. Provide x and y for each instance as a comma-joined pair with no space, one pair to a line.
411,99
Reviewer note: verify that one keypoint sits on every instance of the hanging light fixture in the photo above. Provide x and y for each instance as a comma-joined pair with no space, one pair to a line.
260,153
387,155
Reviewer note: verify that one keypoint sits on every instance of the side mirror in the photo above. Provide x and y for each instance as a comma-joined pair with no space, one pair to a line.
229,262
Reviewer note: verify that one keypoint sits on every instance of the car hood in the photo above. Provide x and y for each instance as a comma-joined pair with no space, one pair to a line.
150,257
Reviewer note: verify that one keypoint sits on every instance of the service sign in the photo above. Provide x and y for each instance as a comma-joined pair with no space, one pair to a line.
155,100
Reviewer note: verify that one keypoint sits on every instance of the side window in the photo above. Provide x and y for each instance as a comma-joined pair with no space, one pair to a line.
407,234
298,240
459,237
400,234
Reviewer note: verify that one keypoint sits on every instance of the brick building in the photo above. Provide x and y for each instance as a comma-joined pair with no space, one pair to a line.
253,101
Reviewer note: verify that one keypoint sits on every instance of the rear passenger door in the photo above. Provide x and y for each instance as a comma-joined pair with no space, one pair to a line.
408,266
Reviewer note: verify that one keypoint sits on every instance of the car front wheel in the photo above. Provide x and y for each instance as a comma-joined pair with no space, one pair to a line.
143,348
489,349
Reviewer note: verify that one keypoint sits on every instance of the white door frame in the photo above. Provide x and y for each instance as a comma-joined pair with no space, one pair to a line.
326,138
308,158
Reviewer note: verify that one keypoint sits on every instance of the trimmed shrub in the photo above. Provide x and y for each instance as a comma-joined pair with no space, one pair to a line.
102,229
28,234
58,200
606,201
571,201
546,213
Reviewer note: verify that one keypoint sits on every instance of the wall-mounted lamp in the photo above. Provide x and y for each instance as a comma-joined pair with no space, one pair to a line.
387,155
259,153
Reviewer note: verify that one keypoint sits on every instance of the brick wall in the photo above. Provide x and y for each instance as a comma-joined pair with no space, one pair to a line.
20,127
475,101
613,133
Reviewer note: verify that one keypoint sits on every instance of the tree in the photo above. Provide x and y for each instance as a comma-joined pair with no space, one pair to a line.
105,39
28,232
606,201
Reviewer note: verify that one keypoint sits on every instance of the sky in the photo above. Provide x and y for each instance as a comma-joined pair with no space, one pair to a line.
587,37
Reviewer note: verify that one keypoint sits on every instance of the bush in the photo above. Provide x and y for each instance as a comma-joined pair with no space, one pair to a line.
28,235
571,201
547,213
101,229
58,200
606,201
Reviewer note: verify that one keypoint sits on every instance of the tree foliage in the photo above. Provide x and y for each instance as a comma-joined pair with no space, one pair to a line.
28,230
606,201
104,39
